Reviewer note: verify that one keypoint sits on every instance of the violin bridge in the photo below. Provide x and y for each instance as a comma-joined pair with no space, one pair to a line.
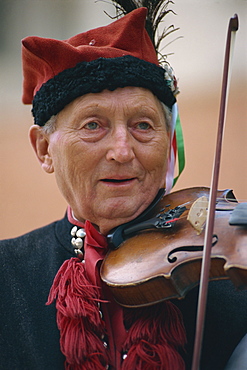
198,213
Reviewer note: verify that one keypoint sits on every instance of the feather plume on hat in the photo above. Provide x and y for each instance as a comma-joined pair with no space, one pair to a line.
157,10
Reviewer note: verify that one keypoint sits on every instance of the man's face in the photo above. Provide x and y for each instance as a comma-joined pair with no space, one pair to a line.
109,154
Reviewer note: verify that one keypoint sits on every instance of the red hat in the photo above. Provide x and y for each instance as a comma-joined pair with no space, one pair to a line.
120,54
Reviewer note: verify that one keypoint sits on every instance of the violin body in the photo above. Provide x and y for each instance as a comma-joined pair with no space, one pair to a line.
156,265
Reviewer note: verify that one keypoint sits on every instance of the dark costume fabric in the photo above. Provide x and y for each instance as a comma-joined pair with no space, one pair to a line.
29,338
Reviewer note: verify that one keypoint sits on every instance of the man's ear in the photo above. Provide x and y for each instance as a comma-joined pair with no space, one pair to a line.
40,144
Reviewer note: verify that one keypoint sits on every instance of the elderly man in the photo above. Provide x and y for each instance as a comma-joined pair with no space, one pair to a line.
102,110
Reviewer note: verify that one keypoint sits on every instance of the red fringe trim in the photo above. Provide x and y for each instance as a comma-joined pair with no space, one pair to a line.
78,318
155,334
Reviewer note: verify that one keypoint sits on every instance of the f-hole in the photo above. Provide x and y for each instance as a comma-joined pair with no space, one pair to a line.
188,248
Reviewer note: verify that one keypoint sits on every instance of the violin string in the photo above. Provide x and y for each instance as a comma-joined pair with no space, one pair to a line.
193,201
199,207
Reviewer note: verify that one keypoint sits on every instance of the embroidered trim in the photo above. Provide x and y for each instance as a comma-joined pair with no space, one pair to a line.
94,77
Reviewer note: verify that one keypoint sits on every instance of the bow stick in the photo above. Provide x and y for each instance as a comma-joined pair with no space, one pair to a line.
232,28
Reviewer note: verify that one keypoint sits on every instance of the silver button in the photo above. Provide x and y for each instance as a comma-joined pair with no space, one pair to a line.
81,233
78,243
73,230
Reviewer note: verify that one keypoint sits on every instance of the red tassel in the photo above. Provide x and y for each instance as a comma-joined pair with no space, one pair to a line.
78,318
148,356
155,332
154,337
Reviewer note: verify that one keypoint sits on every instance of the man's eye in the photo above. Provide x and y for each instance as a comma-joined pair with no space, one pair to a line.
143,126
91,125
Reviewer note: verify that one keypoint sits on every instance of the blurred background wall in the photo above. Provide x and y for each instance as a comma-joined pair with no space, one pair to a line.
28,197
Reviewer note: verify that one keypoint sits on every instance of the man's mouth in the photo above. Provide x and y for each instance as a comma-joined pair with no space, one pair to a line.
118,181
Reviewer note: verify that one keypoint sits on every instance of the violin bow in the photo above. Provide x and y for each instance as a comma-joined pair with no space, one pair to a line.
203,288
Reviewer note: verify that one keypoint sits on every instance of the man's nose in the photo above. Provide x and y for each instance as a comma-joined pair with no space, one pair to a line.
121,147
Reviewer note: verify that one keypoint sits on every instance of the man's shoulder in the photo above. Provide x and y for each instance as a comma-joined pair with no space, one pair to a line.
53,233
46,246
30,235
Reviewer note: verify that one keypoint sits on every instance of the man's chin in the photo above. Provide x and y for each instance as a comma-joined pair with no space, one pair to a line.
121,212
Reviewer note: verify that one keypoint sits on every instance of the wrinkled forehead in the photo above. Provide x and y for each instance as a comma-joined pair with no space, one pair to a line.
129,101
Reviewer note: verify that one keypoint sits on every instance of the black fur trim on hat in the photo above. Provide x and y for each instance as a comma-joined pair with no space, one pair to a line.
96,76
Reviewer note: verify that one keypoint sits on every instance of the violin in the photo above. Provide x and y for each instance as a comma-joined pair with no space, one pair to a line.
162,260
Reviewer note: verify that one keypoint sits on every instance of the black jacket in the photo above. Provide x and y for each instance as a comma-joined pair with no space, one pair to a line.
29,338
